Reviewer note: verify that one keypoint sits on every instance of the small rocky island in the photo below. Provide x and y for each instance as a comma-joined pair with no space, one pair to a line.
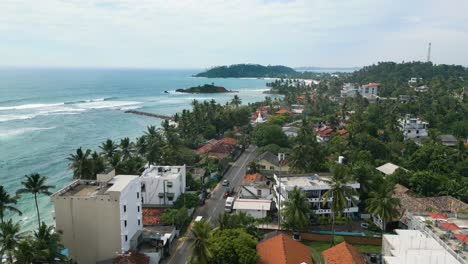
207,88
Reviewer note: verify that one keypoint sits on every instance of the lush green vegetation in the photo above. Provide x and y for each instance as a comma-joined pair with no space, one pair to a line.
42,245
206,88
374,134
248,71
232,241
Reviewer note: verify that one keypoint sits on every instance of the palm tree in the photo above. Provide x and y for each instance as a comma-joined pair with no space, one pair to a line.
9,239
340,192
296,210
47,243
80,164
382,203
236,101
36,184
6,203
126,148
200,248
25,251
108,148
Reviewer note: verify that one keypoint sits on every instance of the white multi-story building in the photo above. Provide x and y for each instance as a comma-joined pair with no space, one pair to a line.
370,90
256,190
413,128
314,186
414,247
162,185
348,90
99,218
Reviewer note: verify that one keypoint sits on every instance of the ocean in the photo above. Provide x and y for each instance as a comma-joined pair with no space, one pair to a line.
46,114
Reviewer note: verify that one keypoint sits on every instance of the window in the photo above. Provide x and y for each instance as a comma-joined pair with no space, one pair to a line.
143,187
409,131
125,208
417,131
170,198
259,192
272,168
139,222
138,195
125,223
138,208
262,167
126,238
142,201
169,184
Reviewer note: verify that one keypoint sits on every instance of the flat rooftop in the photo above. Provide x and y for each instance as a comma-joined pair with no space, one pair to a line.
87,188
163,171
309,181
413,247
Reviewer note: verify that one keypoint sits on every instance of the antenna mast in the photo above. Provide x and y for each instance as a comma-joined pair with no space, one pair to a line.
429,53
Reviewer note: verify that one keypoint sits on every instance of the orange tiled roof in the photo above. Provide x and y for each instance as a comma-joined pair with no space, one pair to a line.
229,141
283,111
342,131
282,249
224,145
132,258
152,216
252,177
343,253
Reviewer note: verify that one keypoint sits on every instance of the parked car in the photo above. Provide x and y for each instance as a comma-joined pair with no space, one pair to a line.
225,183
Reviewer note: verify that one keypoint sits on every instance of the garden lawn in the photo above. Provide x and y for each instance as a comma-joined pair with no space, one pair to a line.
316,248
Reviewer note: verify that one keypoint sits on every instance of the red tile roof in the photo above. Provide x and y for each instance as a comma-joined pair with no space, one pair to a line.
437,216
342,132
282,249
449,226
225,145
253,177
343,253
152,216
229,141
325,132
283,111
462,237
132,258
372,84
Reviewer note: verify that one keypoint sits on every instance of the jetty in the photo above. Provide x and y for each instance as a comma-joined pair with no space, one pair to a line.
136,112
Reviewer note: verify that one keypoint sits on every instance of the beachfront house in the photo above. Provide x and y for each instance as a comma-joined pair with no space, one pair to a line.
99,219
162,185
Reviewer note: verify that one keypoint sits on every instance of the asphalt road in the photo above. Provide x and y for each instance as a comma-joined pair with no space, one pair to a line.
214,206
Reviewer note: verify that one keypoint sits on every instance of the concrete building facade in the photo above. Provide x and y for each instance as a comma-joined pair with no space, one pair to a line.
314,186
98,219
162,185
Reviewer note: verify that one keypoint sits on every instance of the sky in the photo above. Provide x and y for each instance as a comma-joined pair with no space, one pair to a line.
207,33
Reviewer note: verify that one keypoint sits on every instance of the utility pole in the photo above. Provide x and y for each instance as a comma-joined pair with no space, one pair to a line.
429,53
281,157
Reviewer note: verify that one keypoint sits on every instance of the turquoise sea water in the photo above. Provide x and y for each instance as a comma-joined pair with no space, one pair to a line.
45,114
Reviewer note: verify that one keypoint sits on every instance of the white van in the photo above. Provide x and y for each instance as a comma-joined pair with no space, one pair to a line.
229,204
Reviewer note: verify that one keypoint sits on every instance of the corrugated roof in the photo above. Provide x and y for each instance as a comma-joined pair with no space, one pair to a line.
388,168
252,204
282,249
343,253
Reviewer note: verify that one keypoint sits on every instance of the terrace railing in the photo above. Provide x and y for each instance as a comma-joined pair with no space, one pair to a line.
421,226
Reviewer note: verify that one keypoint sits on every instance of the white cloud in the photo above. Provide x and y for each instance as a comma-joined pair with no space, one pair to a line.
201,33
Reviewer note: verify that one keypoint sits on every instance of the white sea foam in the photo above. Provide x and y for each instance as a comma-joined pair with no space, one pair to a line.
6,133
28,106
29,111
